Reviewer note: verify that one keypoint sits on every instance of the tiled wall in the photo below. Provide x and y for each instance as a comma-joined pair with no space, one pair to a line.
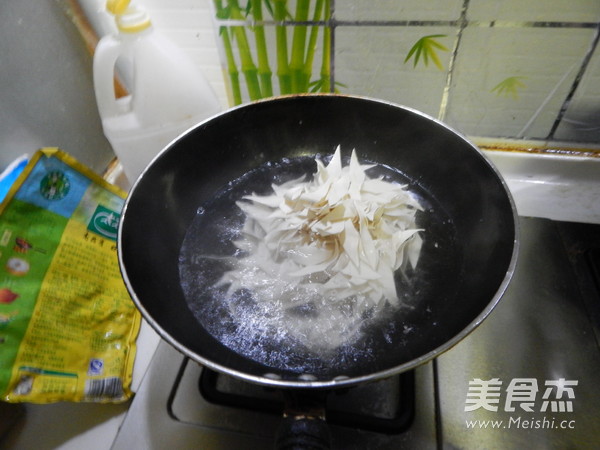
550,46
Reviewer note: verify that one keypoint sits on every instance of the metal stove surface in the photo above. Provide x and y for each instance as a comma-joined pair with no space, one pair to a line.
170,412
489,391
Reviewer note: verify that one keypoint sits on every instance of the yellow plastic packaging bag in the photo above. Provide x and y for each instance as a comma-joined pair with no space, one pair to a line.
67,324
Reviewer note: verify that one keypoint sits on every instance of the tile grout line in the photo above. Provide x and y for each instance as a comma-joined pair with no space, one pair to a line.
413,23
446,93
332,27
582,69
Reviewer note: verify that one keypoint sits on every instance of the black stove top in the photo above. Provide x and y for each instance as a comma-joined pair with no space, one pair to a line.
385,406
525,378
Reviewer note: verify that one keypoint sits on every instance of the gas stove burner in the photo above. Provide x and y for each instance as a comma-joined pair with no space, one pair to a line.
386,406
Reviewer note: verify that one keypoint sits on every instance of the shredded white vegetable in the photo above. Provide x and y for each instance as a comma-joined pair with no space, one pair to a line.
336,239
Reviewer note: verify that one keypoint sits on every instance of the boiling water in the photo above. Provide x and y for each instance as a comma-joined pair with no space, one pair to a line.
308,339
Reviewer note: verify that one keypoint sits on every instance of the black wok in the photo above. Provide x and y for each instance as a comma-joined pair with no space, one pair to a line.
470,235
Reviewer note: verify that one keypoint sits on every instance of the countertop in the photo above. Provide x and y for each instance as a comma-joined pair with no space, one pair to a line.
562,188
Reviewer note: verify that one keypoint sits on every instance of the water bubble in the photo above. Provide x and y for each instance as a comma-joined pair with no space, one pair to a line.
307,377
272,376
341,378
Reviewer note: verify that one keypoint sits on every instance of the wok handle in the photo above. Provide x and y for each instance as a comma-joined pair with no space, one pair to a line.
303,425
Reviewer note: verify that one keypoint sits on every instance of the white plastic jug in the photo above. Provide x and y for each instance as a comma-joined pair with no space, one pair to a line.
168,93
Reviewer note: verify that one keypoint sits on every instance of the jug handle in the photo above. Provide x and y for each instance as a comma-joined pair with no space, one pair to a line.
107,52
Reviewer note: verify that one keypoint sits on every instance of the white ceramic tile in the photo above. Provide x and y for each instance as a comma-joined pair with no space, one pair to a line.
581,122
535,10
547,60
370,61
398,9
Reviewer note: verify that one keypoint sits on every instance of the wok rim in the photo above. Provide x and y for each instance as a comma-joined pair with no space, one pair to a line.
342,381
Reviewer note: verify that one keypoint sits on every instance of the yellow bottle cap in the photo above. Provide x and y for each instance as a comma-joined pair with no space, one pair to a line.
117,7
129,18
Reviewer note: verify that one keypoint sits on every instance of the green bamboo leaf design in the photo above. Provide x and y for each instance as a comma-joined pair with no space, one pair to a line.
249,56
264,70
509,87
269,7
427,47
312,44
223,12
279,11
321,84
